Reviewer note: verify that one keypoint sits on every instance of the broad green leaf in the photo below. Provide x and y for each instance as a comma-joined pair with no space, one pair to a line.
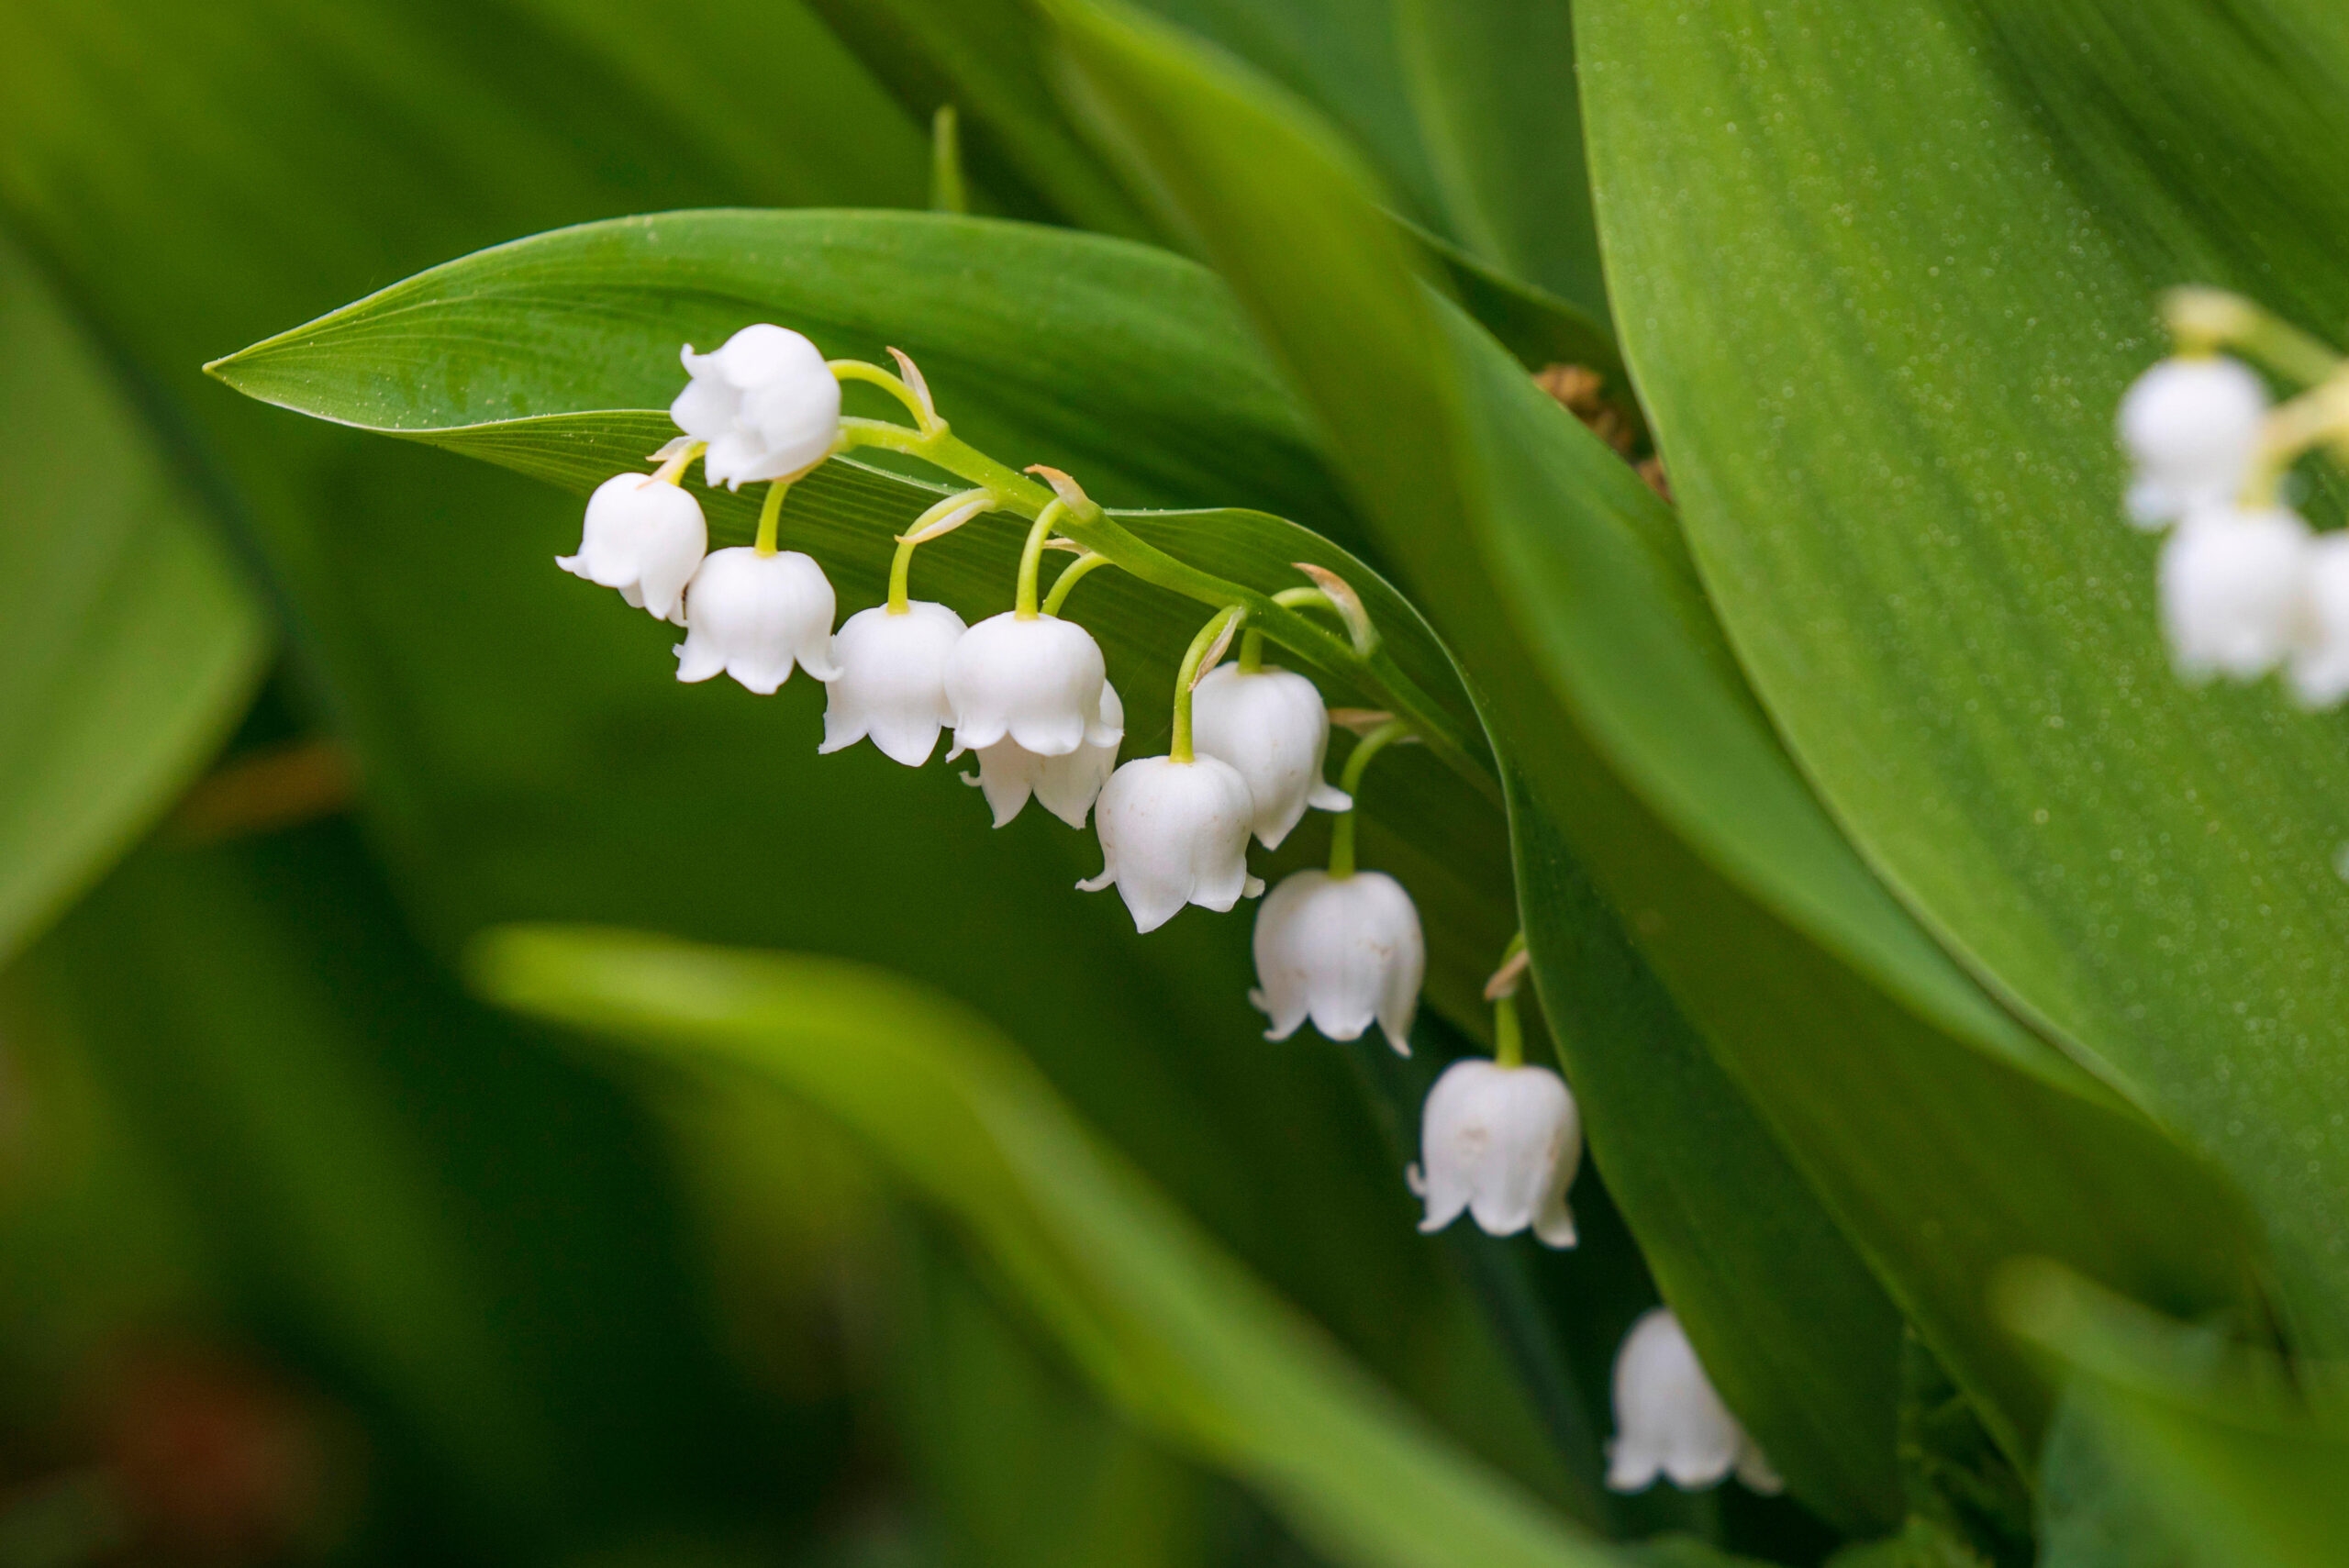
1882,336
1494,87
1171,1329
981,57
132,640
1940,1136
2173,1450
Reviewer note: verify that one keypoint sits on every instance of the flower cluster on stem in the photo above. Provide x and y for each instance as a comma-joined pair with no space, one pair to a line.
2247,588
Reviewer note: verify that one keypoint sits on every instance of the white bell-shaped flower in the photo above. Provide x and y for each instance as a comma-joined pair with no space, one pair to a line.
1175,833
765,402
2191,426
1036,679
750,615
2319,668
2233,588
644,536
1668,1420
1066,786
1271,725
892,681
1342,951
1503,1145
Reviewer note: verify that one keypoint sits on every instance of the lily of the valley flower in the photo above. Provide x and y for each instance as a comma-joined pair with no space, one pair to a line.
2232,591
2319,668
892,681
1342,951
645,536
1175,833
750,615
766,403
1066,786
2191,424
1669,1421
1501,1144
1271,725
1035,678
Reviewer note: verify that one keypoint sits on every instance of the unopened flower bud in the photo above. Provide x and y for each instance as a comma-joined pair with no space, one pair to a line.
1668,1420
1501,1144
892,681
1271,725
2231,590
1342,951
1066,786
1175,833
2319,666
2191,426
644,536
750,615
765,402
1037,680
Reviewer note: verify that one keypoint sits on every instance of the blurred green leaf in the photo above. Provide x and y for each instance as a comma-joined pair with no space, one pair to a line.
2173,1449
132,640
1883,339
1493,88
1940,1135
1171,1329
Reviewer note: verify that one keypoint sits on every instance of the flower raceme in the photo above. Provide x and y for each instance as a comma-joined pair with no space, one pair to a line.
1670,1422
1027,692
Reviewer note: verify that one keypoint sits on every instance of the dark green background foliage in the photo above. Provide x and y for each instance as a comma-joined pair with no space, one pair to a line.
1955,1001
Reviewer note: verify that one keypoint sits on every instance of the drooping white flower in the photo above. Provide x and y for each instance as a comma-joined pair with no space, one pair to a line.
749,615
892,681
1175,833
1668,1420
1036,679
766,403
1271,725
1503,1145
2191,426
1342,951
2232,588
2319,668
644,536
1065,786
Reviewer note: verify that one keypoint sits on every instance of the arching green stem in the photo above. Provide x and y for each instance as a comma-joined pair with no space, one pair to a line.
1459,747
1031,558
873,375
672,469
1078,570
1210,638
1508,1032
1252,651
1342,833
770,515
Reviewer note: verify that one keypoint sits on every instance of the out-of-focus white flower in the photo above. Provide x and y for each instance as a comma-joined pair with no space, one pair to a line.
892,681
1175,833
644,536
1065,786
1271,725
2232,585
1342,951
749,615
1669,1421
1501,1144
1036,679
2191,426
765,402
2319,668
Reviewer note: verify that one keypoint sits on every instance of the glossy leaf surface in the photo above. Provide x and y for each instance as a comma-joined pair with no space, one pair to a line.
1881,335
